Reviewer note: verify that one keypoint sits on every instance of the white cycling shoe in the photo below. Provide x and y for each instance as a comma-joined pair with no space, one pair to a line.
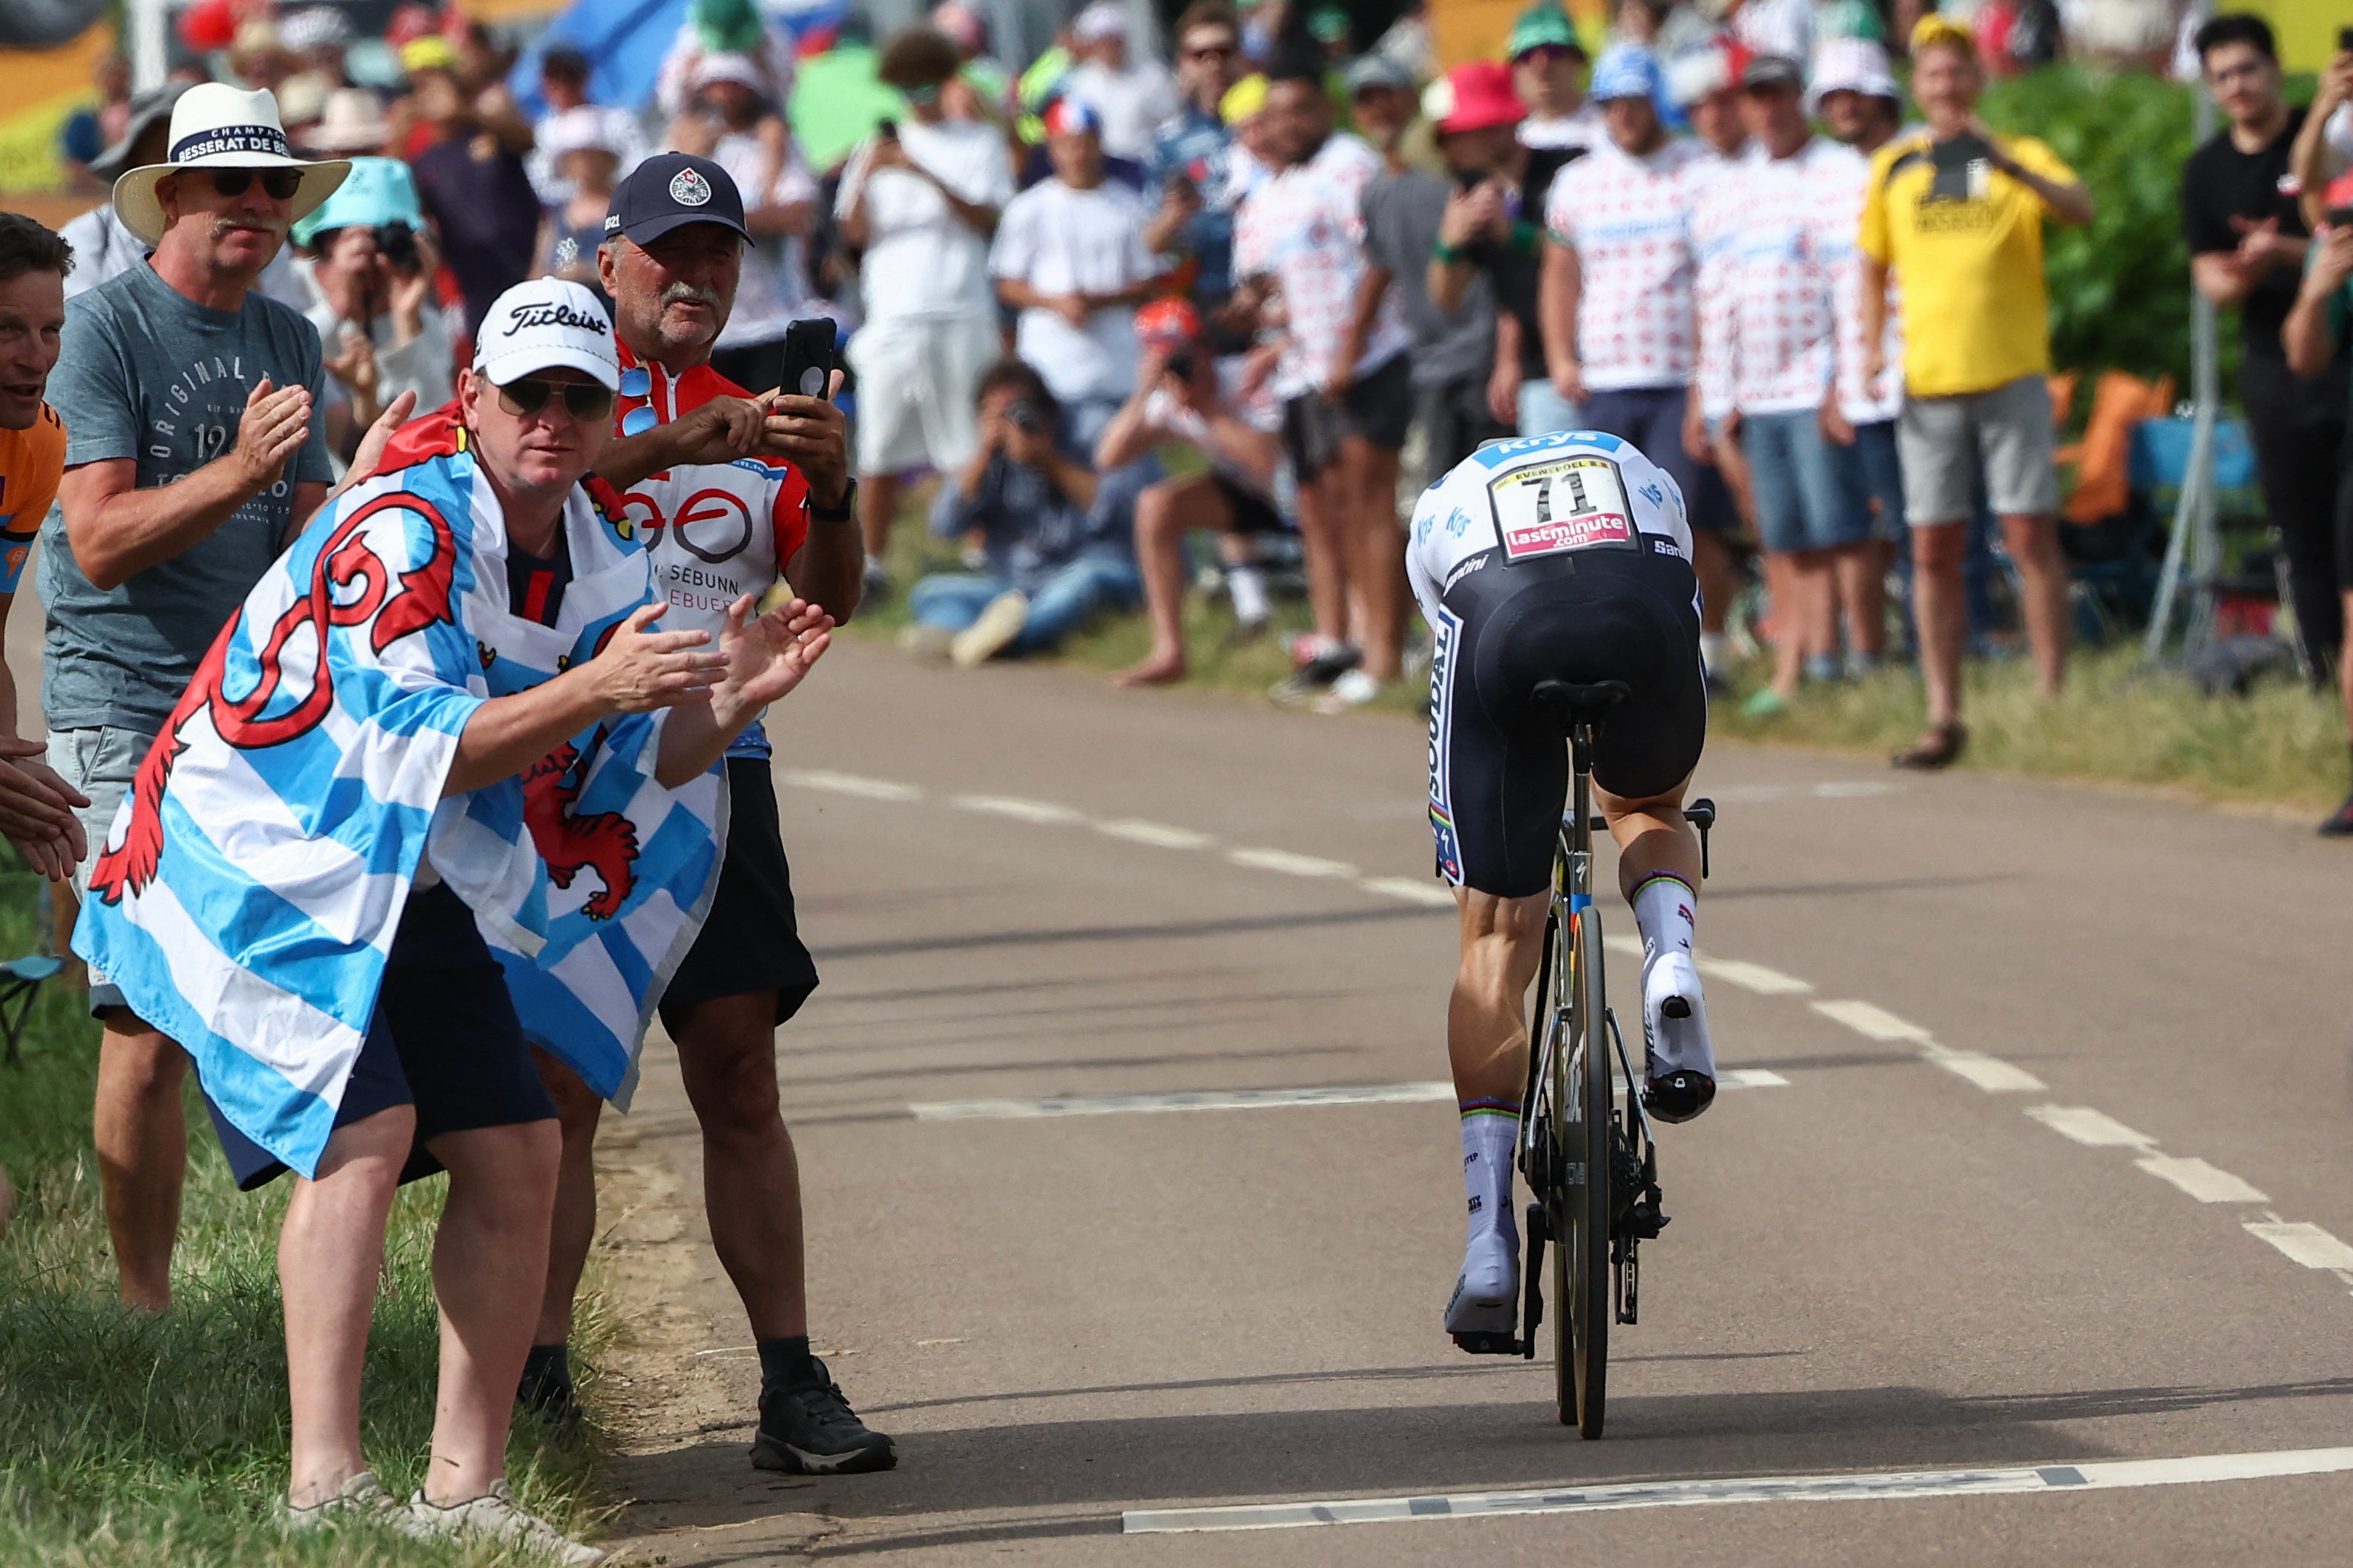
1679,1066
1486,1298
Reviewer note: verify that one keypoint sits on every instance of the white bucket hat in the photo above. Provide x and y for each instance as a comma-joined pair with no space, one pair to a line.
215,126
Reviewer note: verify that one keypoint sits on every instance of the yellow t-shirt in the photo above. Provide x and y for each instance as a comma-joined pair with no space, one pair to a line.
1968,245
31,461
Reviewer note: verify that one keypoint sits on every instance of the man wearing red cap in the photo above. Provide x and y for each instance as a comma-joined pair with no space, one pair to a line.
1182,395
1491,237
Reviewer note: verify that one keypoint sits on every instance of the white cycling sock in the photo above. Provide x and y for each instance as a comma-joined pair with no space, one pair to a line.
1490,1134
1248,586
1663,912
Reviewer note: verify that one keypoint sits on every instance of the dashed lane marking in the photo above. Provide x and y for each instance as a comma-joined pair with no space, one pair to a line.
1159,834
1752,977
2093,1128
1045,813
1861,1486
1831,789
2206,1183
2304,1243
1990,1073
1872,1022
1413,890
1289,864
850,784
1241,1099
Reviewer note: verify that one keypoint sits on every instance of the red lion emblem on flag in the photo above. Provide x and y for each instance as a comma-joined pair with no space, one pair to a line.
419,598
604,841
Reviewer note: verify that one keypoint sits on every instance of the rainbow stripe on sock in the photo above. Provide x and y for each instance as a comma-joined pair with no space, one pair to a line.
1660,876
1471,1108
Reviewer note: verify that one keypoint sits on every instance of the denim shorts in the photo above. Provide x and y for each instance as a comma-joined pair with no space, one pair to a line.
100,763
1806,488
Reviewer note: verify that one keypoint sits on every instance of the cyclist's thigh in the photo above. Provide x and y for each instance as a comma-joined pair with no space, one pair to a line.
1496,781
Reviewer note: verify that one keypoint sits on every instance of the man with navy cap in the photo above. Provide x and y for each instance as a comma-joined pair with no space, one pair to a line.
730,492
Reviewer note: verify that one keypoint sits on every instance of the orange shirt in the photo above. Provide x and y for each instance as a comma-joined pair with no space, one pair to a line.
31,461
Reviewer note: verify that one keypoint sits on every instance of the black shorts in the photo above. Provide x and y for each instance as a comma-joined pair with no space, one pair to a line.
1253,513
1498,766
445,1039
750,943
1455,419
1377,408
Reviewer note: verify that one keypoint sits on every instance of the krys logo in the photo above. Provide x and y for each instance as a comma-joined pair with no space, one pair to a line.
554,314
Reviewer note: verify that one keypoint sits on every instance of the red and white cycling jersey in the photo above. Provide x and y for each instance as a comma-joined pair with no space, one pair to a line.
716,530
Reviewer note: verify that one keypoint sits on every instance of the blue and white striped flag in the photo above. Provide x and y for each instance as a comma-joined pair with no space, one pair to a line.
251,884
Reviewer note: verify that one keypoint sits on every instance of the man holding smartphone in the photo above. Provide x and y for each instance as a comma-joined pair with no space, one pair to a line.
731,492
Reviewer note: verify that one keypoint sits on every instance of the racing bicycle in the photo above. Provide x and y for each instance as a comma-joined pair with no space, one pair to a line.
1585,1144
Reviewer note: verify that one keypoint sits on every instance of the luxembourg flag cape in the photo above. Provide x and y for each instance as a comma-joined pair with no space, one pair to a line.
251,883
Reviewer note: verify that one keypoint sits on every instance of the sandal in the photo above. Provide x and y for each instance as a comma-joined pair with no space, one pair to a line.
1939,748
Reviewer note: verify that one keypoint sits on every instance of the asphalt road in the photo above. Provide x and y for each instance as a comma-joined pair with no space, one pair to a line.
2055,1178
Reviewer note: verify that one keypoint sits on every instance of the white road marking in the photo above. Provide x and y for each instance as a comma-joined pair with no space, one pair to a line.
1412,890
2304,1243
1751,976
1631,946
1861,1486
1191,1099
1851,789
925,1344
2094,1129
2202,1181
1159,834
1990,1073
1872,1022
1832,789
1290,865
849,784
1243,1099
1043,812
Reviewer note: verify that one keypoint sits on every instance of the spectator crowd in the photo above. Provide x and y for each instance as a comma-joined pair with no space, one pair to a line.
1099,305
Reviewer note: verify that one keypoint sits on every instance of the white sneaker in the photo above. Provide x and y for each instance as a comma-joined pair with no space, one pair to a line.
496,1516
1354,688
991,635
1679,1059
363,1498
1487,1293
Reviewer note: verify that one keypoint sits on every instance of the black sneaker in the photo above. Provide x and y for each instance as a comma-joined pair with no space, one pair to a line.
547,1395
2339,823
810,1430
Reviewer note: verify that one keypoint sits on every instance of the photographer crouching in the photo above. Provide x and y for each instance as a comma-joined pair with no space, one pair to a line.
1055,535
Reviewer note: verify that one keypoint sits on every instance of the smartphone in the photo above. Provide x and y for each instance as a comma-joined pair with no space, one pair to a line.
808,358
2345,40
887,129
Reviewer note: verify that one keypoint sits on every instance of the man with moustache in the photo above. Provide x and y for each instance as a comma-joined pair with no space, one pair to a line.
195,452
731,493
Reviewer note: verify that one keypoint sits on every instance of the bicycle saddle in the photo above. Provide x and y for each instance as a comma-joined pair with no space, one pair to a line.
1572,704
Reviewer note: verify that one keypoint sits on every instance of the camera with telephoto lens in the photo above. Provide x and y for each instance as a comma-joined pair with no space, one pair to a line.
397,243
1180,364
1027,416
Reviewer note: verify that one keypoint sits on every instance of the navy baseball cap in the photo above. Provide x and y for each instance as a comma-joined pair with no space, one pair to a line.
669,191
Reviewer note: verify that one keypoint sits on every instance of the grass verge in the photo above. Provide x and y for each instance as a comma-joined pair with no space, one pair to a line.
2117,722
130,1439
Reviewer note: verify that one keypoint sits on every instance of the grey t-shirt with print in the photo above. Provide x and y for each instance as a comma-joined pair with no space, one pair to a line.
147,373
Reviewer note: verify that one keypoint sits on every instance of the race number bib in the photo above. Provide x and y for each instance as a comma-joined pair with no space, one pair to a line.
1575,502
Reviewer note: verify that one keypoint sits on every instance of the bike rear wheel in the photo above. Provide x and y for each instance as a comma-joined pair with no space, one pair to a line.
1582,1263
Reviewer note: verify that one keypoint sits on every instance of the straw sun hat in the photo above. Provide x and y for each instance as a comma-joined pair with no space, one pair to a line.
215,126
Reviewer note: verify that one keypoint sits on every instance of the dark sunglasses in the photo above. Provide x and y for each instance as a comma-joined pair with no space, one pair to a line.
583,400
278,185
1212,52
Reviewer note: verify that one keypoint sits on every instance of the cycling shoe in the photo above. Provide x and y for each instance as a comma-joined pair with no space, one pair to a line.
1678,1096
1679,1069
1487,1293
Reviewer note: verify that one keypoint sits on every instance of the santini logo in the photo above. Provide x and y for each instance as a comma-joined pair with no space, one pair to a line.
557,314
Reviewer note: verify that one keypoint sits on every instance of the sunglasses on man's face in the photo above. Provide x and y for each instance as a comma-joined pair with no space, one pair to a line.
278,185
1212,52
583,400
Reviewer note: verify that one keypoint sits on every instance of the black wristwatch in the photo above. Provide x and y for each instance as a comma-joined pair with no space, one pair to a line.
842,514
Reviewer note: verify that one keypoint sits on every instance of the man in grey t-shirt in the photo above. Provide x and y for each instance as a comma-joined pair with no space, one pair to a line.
193,453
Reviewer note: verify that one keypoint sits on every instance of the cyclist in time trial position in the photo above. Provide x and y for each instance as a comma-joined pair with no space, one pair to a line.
1562,557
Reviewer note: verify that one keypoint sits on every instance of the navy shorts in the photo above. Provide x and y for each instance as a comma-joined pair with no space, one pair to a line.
1651,417
445,1039
752,941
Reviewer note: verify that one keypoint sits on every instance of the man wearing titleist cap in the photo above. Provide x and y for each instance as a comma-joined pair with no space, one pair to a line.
403,917
731,493
193,453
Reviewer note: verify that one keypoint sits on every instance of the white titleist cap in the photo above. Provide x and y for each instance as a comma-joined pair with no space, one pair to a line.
545,323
